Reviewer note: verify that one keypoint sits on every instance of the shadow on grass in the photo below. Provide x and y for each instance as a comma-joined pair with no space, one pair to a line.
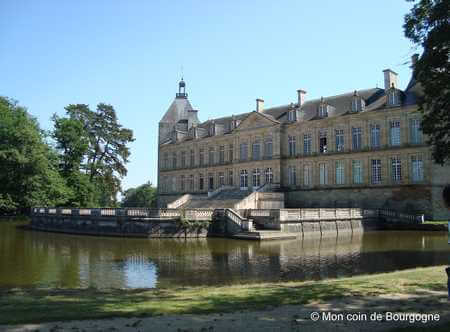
39,305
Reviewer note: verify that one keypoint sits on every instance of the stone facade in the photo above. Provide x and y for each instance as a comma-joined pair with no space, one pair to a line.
359,149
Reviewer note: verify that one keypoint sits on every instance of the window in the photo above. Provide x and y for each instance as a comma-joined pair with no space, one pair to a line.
201,157
201,182
211,156
174,160
221,179
396,169
307,144
192,161
307,175
221,154
230,153
166,160
211,181
212,129
376,171
340,176
244,152
375,136
356,138
268,148
292,178
357,171
292,115
174,184
415,132
183,158
256,178
323,141
323,111
355,104
191,182
417,168
269,175
256,149
323,172
291,145
182,182
244,179
395,132
230,178
358,103
393,97
339,140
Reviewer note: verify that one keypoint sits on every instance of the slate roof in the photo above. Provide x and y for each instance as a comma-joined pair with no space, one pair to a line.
178,110
374,98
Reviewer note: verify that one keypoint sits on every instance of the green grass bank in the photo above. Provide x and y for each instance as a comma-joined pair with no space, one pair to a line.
41,305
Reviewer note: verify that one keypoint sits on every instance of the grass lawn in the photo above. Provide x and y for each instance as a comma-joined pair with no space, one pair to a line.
40,305
439,222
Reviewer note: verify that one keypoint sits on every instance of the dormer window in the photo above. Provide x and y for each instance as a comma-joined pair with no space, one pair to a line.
323,110
393,97
292,116
358,103
212,130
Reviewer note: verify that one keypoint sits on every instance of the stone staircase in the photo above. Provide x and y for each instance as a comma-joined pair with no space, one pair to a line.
227,198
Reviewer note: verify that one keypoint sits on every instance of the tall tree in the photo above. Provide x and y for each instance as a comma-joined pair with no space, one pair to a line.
28,166
428,26
95,143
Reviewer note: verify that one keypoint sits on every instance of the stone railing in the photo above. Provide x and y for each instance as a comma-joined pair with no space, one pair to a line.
243,223
179,202
218,190
268,187
324,214
193,214
394,216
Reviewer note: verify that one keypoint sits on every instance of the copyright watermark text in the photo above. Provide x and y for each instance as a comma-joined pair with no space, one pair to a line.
387,316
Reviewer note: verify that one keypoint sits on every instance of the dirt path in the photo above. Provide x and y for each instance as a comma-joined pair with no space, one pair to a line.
284,318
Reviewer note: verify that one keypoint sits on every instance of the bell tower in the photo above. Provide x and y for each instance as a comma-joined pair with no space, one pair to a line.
182,89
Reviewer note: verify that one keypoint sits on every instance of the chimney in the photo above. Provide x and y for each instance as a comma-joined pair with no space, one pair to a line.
301,97
259,105
390,79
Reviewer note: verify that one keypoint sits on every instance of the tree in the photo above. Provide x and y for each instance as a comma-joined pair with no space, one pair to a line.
428,25
72,140
95,144
28,165
142,196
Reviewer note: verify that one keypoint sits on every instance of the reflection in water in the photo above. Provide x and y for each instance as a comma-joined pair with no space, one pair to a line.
39,259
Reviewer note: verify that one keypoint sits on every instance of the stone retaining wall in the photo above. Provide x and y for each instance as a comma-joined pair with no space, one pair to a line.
110,227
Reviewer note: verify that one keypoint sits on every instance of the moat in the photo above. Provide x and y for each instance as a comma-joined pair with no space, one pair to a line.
40,259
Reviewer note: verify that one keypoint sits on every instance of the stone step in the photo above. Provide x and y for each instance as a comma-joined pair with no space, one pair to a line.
265,235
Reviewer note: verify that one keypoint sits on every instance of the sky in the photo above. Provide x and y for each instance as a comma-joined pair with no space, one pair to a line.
130,54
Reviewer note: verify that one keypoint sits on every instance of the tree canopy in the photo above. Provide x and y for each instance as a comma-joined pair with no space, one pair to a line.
142,196
428,25
94,153
28,165
84,168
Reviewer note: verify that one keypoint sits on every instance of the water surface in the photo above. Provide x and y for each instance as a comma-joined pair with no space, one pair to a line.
40,259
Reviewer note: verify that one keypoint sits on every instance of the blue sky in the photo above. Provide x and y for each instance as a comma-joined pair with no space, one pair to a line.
129,54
